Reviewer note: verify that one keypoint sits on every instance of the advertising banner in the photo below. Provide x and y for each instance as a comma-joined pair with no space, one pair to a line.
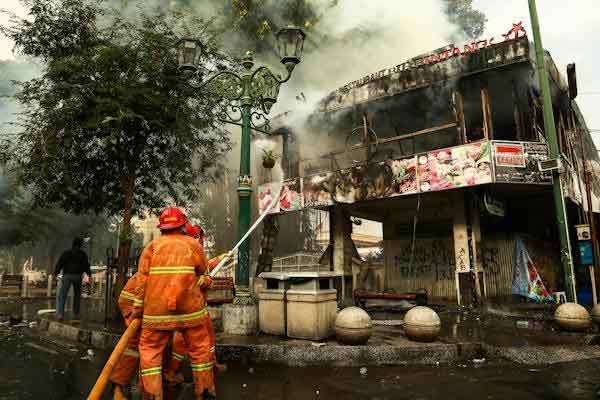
526,280
291,198
517,162
404,176
266,193
455,167
318,190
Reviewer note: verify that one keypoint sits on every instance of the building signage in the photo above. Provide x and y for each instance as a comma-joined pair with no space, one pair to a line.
517,162
509,155
443,54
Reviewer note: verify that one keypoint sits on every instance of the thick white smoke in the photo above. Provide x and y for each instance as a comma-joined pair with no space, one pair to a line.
367,37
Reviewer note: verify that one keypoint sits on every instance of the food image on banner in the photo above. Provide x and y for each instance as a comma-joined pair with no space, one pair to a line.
517,162
404,176
455,167
266,194
291,195
317,190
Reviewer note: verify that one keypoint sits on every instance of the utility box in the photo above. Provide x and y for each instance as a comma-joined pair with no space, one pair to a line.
300,305
583,232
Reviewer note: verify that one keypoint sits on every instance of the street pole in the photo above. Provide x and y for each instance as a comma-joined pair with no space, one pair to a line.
242,273
553,150
250,97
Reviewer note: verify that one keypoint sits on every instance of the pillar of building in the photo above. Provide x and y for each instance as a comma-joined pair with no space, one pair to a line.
267,243
341,233
476,251
461,248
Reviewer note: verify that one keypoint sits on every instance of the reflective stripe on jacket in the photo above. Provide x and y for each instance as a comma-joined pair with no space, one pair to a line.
170,269
130,298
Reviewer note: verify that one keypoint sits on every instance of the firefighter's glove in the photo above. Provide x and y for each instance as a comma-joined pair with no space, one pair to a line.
205,282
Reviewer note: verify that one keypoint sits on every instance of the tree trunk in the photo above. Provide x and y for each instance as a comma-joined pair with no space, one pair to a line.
125,238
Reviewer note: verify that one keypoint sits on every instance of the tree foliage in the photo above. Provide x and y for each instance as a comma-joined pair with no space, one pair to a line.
110,117
470,20
110,126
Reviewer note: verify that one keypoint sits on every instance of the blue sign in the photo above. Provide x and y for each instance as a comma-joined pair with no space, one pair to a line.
586,254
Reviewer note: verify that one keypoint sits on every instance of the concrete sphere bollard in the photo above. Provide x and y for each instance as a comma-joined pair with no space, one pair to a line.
422,324
353,326
572,317
596,314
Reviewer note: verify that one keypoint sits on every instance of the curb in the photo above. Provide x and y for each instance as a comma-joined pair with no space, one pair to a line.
349,356
296,355
98,339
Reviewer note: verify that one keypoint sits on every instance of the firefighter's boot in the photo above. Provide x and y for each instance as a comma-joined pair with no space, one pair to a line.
118,393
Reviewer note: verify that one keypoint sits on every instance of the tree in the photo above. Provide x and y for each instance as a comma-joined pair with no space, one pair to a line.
109,126
469,20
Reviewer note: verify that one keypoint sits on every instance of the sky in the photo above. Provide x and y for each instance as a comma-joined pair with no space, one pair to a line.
570,31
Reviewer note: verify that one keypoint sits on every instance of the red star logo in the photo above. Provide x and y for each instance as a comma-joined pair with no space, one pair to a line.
516,30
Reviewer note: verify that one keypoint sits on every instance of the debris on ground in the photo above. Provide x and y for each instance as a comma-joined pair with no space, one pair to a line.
41,348
89,355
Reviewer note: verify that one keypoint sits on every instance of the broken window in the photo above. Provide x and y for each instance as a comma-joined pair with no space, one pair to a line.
471,91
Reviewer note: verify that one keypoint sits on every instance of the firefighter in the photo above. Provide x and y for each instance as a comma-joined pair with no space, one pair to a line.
129,362
172,280
179,346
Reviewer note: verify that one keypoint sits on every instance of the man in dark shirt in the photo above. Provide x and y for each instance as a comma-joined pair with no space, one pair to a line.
73,263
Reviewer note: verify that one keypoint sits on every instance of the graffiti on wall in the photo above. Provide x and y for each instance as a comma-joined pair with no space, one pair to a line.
432,258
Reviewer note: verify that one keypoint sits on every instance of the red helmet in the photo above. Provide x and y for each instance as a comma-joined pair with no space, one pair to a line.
193,230
196,232
171,218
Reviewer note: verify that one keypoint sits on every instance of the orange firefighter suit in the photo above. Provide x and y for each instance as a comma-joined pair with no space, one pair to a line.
129,362
180,348
172,280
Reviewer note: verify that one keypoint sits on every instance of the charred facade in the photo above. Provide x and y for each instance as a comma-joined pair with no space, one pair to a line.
444,150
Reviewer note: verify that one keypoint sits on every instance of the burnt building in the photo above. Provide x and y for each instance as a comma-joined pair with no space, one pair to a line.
444,151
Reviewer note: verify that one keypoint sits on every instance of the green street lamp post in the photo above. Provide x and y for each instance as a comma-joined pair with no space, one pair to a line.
554,153
250,95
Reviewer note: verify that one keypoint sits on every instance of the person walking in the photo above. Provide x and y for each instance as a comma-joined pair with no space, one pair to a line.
172,281
73,263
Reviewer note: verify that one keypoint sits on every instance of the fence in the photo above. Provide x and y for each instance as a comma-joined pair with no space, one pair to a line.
302,262
22,286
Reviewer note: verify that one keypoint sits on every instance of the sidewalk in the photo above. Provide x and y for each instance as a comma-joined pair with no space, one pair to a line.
386,347
466,335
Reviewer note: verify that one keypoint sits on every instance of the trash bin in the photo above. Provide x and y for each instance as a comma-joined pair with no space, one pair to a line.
271,303
300,305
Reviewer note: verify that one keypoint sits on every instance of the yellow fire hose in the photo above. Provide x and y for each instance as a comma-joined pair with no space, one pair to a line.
98,389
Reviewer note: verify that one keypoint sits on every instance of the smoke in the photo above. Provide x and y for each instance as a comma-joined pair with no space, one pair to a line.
361,39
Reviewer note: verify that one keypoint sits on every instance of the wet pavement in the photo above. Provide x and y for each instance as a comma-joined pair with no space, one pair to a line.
39,367
32,368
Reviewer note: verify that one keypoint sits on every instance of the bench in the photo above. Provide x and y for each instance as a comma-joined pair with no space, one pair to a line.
226,289
361,296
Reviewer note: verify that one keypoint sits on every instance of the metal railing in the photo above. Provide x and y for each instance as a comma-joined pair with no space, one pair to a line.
302,262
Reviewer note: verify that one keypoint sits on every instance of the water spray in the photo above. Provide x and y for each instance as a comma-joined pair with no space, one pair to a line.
231,252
